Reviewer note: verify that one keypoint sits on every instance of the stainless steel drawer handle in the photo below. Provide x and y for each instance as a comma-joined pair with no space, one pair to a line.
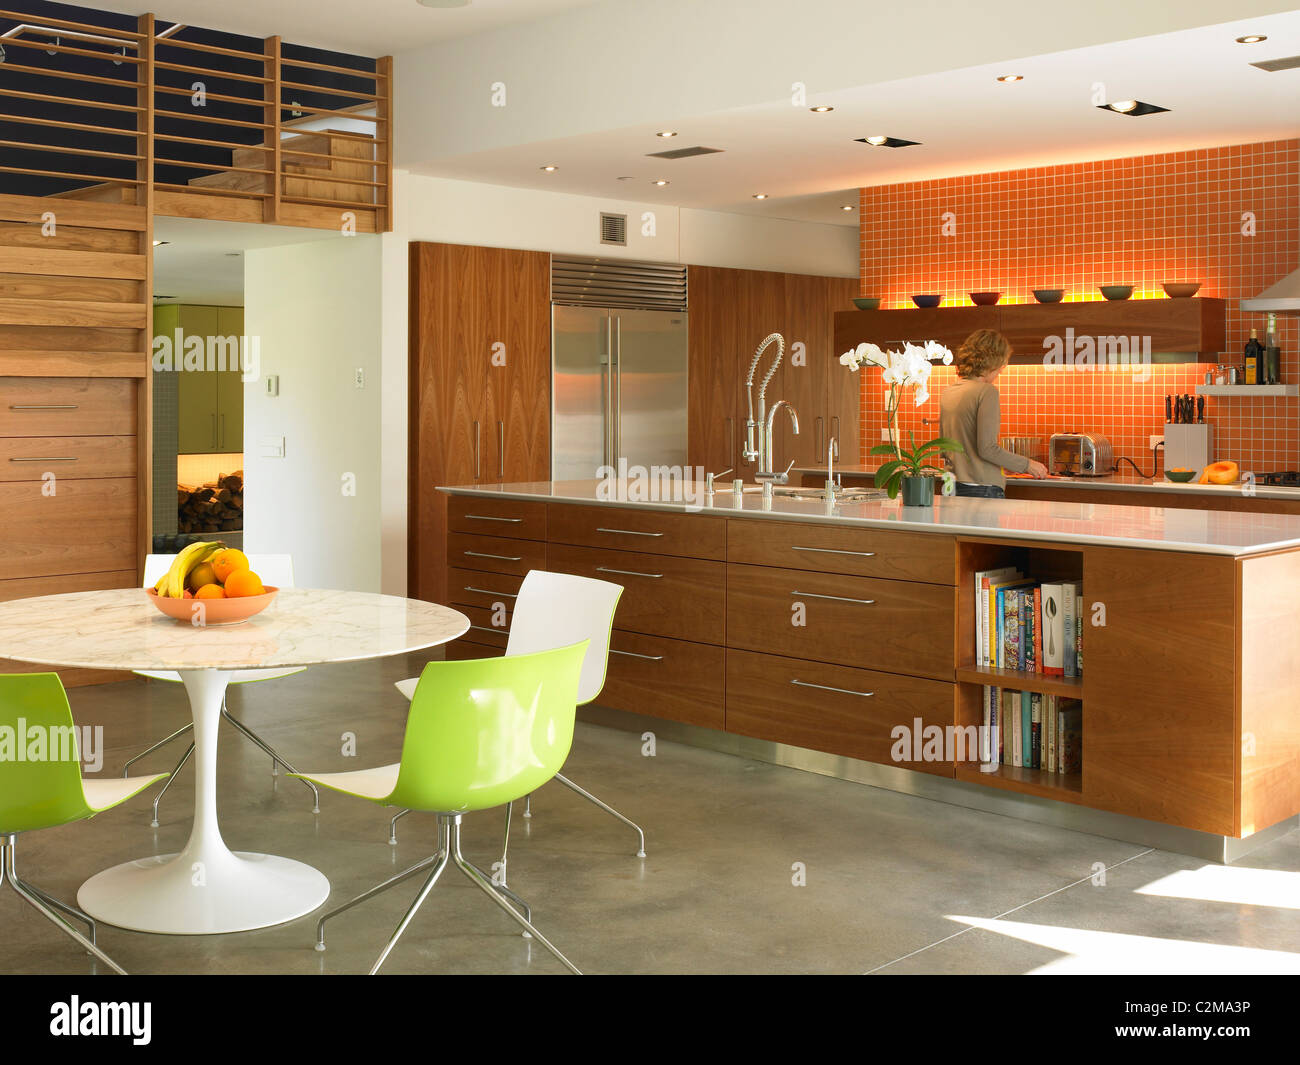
503,558
489,517
834,551
629,532
484,591
633,654
487,628
61,458
42,406
828,688
627,572
837,598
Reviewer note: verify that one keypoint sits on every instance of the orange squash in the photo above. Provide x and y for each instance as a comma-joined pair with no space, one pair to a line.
1220,473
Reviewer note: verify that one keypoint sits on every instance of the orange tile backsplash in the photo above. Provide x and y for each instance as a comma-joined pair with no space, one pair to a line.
1140,221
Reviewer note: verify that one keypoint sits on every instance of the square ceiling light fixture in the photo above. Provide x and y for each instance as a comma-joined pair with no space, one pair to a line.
1132,108
881,141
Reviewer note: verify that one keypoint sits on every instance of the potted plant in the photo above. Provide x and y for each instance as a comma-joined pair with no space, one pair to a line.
909,368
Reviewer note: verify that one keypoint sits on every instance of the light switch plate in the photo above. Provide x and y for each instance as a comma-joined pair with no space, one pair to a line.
271,447
360,377
273,384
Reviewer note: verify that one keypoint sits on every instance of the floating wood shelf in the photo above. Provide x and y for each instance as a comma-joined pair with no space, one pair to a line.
1068,687
1247,391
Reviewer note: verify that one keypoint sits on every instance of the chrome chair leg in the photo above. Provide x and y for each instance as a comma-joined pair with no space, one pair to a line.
249,734
505,845
640,850
443,857
126,769
189,751
392,881
528,806
392,827
483,884
63,907
520,903
9,871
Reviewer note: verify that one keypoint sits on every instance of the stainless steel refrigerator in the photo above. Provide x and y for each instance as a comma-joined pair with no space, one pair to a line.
619,389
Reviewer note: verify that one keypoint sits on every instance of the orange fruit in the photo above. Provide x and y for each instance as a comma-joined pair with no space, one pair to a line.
243,582
224,563
210,591
200,575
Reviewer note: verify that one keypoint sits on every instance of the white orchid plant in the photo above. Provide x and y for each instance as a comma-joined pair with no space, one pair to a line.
909,368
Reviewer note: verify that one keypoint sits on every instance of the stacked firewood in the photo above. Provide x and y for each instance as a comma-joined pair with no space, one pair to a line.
217,506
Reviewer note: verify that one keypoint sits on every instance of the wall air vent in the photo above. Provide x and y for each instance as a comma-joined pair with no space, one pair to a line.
1273,65
613,229
683,153
626,283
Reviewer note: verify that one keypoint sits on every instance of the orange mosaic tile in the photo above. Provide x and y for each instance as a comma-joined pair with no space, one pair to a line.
1181,216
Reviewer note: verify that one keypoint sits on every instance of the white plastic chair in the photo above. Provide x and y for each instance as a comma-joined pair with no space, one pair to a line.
556,610
275,570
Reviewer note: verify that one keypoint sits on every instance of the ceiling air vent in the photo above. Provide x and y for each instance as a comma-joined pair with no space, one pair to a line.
683,153
1272,65
613,229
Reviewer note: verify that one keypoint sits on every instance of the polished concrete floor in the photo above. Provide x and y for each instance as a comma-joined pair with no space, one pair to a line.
890,883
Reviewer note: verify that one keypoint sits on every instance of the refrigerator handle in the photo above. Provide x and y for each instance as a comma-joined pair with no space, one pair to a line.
618,388
607,369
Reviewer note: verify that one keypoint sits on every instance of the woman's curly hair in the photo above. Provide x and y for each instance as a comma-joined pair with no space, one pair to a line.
982,352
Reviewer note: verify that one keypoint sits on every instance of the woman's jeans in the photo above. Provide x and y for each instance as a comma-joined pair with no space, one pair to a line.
987,491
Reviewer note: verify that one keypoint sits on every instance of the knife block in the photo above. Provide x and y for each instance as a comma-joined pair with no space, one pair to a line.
1188,446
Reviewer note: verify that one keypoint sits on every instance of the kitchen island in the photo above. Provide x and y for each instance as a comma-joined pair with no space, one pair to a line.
822,629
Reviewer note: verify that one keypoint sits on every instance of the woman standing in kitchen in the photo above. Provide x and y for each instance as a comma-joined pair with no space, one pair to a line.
970,412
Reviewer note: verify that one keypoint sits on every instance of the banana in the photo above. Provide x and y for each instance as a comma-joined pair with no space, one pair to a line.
172,583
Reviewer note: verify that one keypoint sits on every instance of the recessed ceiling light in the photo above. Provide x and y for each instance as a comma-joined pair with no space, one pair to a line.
1132,108
661,181
443,3
160,243
1011,77
625,177
821,110
760,195
879,140
848,207
1252,38
666,133
548,169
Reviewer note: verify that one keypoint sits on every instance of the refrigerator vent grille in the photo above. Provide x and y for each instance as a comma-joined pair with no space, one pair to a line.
613,229
622,283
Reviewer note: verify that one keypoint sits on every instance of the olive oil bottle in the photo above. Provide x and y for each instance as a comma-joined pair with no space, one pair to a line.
1254,359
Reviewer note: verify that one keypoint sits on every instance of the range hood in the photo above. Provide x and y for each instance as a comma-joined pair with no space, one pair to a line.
1281,298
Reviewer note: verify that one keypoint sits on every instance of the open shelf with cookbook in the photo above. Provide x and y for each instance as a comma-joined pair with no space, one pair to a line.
1019,667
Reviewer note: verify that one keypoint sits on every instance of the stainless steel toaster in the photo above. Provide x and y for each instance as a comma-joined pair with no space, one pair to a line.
1080,455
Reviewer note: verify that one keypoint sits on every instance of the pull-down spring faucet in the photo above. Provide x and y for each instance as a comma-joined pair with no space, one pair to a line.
761,450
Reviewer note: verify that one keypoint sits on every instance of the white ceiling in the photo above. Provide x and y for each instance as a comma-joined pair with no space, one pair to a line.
372,28
810,166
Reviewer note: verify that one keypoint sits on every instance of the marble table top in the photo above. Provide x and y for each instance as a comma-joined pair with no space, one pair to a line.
120,629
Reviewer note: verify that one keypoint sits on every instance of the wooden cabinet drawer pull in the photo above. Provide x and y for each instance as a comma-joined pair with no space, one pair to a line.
835,551
627,572
629,532
484,591
489,517
633,654
837,598
828,688
503,558
42,406
61,458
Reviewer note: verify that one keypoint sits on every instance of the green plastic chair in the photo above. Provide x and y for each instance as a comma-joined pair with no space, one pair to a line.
480,733
50,791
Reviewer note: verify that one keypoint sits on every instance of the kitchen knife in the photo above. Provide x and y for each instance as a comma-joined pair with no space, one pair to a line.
1200,409
1169,409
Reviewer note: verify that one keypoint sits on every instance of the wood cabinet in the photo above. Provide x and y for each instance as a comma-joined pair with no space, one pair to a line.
731,311
210,399
480,385
1180,329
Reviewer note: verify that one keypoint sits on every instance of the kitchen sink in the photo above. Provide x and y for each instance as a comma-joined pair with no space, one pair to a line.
842,495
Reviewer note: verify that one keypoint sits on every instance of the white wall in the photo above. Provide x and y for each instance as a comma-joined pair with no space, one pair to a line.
316,309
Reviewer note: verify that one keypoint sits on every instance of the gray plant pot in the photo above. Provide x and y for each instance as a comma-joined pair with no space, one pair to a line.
918,491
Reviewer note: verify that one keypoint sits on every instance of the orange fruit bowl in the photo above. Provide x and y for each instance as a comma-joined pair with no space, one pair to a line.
212,611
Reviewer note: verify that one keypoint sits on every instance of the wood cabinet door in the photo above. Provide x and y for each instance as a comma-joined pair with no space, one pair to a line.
197,429
714,436
230,383
517,339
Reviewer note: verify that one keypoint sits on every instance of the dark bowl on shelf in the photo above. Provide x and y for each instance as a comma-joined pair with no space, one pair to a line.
1116,292
1180,290
927,302
984,299
1181,476
866,303
1049,295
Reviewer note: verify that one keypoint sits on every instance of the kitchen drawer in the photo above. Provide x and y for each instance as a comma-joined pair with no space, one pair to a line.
654,532
495,554
681,598
671,679
837,549
513,518
481,629
897,626
85,527
467,587
30,458
837,709
67,406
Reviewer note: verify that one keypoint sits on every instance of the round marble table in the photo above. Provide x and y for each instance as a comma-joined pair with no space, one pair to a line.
207,888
